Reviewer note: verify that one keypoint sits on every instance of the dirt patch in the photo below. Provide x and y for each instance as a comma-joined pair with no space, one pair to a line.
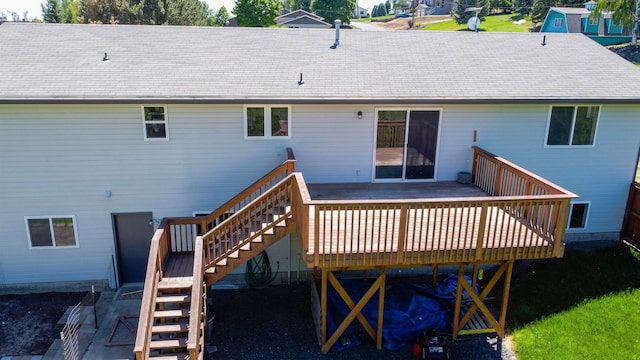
29,322
403,23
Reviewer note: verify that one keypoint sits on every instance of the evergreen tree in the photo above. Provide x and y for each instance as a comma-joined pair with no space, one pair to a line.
461,15
387,5
221,18
50,11
257,12
188,12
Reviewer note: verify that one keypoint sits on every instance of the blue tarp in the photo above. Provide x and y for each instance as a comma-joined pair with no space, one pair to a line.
409,309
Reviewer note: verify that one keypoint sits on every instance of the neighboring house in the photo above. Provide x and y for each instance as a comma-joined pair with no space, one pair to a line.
301,19
361,12
422,10
103,132
579,20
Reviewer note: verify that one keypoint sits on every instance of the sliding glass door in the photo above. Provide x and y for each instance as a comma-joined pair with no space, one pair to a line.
406,144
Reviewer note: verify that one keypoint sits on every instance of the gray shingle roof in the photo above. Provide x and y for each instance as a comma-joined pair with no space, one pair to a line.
62,63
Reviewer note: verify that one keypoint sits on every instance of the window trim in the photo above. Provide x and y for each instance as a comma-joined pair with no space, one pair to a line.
165,122
267,122
586,216
50,218
573,125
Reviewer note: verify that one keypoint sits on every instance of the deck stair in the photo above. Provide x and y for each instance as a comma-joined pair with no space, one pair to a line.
170,328
255,237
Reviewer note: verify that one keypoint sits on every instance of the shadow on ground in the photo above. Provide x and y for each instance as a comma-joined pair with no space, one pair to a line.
276,323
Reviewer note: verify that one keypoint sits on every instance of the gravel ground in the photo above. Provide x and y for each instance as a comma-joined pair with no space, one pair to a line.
29,323
276,323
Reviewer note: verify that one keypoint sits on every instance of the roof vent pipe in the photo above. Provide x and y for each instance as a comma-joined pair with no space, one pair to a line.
337,42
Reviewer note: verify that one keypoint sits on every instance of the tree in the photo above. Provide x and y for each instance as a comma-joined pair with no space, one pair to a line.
70,12
501,4
105,11
50,11
523,6
461,15
256,12
387,5
188,12
331,10
624,12
292,5
221,18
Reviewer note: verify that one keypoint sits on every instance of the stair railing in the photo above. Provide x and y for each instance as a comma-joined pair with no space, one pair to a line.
198,304
158,251
260,215
250,193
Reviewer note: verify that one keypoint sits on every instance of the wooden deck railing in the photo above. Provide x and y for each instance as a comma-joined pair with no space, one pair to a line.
498,177
527,220
174,235
158,251
195,340
525,217
261,215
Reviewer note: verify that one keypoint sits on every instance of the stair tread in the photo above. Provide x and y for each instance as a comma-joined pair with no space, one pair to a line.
170,343
177,298
177,356
171,313
175,283
168,328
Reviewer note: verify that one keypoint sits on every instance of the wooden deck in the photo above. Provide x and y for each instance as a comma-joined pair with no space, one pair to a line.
388,191
508,213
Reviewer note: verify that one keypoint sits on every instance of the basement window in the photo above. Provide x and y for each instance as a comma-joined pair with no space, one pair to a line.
51,231
578,215
155,122
572,125
267,122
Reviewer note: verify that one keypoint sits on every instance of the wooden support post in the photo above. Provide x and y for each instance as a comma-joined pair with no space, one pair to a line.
383,276
474,278
505,296
323,306
434,277
456,310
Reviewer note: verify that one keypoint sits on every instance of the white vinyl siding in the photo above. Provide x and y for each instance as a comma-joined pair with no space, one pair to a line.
56,159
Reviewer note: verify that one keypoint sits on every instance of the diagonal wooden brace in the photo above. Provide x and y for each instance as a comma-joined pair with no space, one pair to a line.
478,301
355,311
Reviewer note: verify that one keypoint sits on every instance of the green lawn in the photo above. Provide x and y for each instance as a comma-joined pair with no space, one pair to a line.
583,306
493,23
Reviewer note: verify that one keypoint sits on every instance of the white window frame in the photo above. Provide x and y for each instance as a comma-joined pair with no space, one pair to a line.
558,22
267,122
164,122
573,125
53,239
592,21
586,215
